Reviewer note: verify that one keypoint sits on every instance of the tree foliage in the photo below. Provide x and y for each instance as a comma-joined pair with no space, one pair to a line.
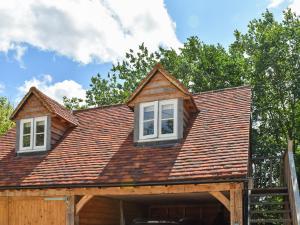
5,111
272,52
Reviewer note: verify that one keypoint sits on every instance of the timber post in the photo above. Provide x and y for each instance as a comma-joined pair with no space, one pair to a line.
70,210
236,207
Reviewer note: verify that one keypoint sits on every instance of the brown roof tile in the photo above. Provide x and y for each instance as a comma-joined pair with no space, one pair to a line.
100,150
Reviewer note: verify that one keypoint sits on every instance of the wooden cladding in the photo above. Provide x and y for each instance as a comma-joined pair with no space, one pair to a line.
58,129
100,211
4,210
32,210
32,108
158,88
105,211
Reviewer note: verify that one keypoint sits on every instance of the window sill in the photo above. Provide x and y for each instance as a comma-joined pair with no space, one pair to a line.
158,143
157,139
31,152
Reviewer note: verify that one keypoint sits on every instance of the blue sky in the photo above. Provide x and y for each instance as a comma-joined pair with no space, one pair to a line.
58,45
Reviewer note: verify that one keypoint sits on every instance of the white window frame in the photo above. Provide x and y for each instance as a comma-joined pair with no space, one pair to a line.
22,122
174,102
38,119
32,146
157,135
141,120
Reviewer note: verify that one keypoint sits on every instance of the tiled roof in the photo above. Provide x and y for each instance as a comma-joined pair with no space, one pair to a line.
100,150
50,104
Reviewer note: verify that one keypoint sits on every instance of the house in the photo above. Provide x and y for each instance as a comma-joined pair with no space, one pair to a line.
165,155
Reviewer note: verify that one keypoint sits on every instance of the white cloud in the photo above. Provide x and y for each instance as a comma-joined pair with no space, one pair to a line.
2,88
19,50
57,91
293,4
275,3
100,30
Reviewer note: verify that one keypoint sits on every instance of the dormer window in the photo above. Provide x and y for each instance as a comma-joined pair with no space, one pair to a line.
41,122
162,108
158,120
33,134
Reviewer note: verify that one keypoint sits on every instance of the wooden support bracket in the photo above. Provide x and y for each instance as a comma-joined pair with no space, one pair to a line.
85,199
222,198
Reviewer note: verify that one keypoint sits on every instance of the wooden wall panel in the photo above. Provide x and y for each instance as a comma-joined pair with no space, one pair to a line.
100,211
4,210
58,129
32,108
158,88
104,211
36,210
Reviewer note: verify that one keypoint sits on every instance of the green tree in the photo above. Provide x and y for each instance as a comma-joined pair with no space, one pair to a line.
271,51
6,110
74,103
203,67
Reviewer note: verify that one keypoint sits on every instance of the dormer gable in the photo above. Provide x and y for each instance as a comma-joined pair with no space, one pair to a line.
41,122
162,107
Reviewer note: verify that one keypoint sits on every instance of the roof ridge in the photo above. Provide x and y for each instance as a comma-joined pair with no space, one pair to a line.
98,107
222,89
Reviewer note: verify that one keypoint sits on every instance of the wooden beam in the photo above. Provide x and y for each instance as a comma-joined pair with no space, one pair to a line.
236,207
85,199
122,218
222,198
128,190
70,210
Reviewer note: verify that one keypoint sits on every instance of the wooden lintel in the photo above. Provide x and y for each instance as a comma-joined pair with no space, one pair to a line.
222,198
128,190
85,199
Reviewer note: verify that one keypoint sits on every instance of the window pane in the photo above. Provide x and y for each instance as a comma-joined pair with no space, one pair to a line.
167,126
39,140
149,113
167,111
148,128
26,141
40,127
27,128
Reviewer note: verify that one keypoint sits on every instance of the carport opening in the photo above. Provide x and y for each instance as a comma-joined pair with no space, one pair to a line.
185,209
